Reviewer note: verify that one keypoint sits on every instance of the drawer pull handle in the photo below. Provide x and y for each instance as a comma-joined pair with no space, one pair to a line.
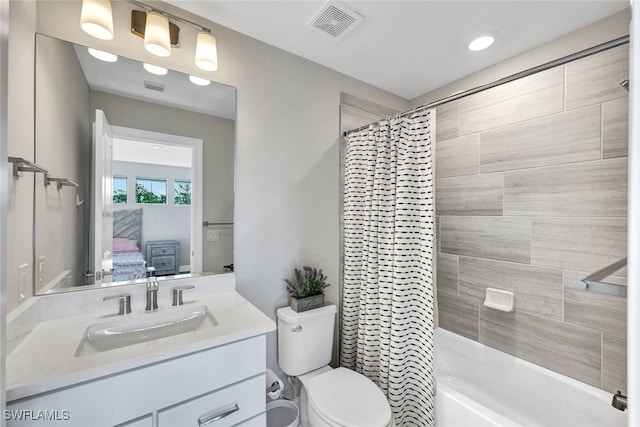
216,415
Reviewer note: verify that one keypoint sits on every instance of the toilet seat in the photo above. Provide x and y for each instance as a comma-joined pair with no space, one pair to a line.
345,398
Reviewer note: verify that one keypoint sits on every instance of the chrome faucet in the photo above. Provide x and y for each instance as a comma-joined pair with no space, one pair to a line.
152,289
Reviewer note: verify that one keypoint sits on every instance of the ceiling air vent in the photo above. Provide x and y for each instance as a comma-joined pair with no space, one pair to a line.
335,20
154,86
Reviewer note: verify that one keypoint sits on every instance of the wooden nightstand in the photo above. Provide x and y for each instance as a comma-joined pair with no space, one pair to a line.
164,255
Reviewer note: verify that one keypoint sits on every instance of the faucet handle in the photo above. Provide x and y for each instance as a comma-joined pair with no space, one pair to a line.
177,294
125,302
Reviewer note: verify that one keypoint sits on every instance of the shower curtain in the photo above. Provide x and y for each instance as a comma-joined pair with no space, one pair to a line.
388,293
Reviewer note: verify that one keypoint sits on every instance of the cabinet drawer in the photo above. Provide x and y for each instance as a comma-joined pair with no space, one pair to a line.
225,407
163,250
164,263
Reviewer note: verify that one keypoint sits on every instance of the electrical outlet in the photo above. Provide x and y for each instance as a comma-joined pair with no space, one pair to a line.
42,260
23,271
213,235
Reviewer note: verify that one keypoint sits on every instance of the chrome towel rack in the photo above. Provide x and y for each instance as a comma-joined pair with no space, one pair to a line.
62,182
207,224
594,283
21,165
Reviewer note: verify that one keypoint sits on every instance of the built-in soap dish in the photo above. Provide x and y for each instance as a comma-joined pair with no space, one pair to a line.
499,300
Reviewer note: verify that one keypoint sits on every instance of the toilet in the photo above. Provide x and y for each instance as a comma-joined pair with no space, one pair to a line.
329,397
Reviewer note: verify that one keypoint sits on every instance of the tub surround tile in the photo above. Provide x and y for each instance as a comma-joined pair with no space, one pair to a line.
470,195
458,156
498,238
585,189
356,112
538,95
597,78
447,273
615,128
581,244
447,121
537,290
614,363
593,310
559,139
458,314
567,349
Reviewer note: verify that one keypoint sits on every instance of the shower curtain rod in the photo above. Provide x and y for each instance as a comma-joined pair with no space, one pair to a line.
560,61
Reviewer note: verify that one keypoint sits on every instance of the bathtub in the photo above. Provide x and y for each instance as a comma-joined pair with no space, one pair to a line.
478,386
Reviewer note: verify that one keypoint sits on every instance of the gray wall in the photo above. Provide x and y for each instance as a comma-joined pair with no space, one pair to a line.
159,222
531,195
63,136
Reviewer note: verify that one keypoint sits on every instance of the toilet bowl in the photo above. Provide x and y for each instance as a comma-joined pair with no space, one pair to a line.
329,397
341,397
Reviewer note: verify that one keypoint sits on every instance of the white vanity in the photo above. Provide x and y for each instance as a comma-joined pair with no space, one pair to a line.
212,374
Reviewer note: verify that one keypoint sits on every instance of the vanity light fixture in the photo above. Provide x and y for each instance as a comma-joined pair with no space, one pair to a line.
96,18
199,81
154,26
155,69
481,43
102,55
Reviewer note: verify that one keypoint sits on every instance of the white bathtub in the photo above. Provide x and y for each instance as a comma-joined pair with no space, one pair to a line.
479,386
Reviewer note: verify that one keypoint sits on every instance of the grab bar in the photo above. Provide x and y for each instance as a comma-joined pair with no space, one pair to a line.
21,165
207,223
594,283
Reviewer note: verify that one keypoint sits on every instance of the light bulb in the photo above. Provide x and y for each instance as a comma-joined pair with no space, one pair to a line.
156,34
206,51
96,18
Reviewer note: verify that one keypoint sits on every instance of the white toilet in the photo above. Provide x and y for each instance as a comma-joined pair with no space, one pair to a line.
329,397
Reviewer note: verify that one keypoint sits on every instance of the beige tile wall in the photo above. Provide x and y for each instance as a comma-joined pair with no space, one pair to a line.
531,196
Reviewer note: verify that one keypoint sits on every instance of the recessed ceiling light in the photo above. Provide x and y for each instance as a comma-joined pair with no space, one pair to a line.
102,55
481,43
154,69
199,81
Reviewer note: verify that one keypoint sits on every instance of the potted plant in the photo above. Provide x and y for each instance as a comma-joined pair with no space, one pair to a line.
306,289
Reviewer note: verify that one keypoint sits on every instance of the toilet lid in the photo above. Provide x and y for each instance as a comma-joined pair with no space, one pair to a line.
349,399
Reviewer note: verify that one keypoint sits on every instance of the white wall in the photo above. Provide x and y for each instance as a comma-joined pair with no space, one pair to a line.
287,157
64,148
4,167
20,144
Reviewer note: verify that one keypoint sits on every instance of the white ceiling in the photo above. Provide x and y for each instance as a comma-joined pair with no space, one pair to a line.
407,47
153,153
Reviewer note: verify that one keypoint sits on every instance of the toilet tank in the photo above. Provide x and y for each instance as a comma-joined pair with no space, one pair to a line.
305,340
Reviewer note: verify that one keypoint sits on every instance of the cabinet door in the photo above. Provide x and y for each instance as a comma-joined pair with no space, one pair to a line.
221,408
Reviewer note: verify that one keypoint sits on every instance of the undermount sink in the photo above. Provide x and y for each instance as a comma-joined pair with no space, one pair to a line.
145,327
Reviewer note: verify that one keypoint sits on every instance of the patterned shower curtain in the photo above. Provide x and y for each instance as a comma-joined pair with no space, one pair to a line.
388,295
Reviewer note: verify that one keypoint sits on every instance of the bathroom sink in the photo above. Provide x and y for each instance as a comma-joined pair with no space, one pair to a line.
145,327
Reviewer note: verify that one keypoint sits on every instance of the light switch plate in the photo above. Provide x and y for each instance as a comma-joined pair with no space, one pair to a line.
23,272
213,235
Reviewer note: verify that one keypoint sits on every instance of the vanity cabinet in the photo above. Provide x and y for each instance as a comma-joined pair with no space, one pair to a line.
225,382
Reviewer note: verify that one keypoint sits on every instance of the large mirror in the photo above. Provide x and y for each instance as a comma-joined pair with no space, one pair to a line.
141,167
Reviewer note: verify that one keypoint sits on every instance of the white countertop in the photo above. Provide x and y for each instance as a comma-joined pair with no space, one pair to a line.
45,360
